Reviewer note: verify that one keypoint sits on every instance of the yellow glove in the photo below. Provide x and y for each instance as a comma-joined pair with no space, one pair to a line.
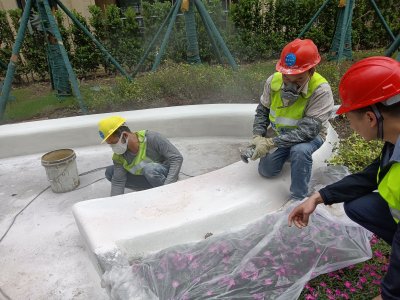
262,146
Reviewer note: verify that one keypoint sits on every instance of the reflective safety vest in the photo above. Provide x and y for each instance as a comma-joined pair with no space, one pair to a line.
389,189
288,117
136,166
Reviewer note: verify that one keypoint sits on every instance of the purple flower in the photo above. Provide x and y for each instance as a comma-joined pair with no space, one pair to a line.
347,284
268,281
258,296
175,284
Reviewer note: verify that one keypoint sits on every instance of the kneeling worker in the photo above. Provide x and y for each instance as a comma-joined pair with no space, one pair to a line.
142,159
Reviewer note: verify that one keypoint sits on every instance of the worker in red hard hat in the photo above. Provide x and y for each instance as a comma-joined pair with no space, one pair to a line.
292,116
370,93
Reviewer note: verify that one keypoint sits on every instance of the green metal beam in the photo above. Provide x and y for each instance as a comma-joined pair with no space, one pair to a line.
192,51
153,41
308,26
70,70
94,40
378,12
5,92
348,13
202,10
167,35
393,47
212,39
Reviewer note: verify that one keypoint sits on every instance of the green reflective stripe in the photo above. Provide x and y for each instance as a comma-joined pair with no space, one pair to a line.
389,189
136,166
288,117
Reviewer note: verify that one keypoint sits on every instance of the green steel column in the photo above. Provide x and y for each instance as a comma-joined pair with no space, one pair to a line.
378,12
348,12
98,44
192,51
146,53
71,73
14,58
212,39
203,11
393,47
308,26
167,35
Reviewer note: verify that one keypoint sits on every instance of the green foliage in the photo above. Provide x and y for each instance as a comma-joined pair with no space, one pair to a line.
32,50
254,30
85,57
265,26
355,153
7,39
119,32
184,84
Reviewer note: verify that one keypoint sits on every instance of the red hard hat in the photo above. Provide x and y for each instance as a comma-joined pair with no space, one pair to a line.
369,81
298,56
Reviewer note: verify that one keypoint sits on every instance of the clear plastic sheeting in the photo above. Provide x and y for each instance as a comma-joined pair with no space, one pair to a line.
264,260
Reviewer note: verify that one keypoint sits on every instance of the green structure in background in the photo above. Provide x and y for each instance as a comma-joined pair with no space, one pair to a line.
62,74
191,34
341,43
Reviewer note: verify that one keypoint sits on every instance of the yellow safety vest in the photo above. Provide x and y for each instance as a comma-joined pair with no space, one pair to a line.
288,117
389,189
136,166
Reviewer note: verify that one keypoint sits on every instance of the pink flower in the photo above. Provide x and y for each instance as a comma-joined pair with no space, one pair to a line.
259,296
310,297
363,279
378,254
175,284
347,284
268,281
374,240
345,296
323,284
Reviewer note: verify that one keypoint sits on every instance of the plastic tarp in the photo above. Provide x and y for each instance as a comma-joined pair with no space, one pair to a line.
262,260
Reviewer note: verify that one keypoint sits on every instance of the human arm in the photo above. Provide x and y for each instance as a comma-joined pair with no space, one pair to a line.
118,180
167,153
352,186
301,213
261,119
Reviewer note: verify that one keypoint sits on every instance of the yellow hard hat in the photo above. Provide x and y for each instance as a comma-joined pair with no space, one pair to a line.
107,126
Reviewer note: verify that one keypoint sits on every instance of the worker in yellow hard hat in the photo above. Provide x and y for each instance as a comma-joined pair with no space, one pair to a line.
141,159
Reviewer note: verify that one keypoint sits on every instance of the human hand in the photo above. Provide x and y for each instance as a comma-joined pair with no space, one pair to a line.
301,213
379,297
262,146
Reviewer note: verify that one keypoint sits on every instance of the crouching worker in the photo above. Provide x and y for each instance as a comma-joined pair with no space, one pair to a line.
142,159
370,93
295,106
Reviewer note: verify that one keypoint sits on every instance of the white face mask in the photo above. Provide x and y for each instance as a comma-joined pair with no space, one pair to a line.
119,147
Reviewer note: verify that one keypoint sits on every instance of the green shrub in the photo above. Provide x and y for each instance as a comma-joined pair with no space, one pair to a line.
355,153
85,57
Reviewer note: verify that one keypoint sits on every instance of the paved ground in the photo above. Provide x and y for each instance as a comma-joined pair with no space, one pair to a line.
43,256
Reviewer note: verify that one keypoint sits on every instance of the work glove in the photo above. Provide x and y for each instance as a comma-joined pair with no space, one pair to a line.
262,146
